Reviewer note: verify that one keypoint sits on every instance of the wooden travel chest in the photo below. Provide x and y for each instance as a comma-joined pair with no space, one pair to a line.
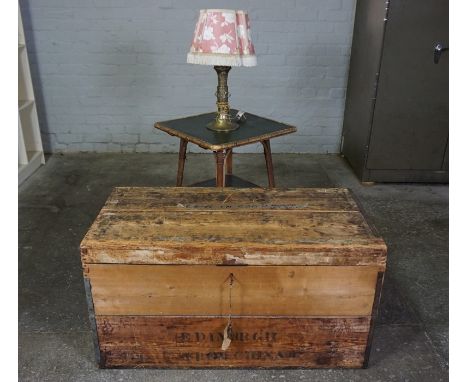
295,273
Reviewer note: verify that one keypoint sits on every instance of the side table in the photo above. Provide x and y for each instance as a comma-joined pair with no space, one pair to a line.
254,129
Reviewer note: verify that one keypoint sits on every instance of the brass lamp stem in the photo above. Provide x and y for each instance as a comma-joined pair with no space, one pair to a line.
223,121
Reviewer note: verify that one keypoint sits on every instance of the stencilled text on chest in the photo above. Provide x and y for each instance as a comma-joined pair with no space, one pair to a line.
249,355
215,337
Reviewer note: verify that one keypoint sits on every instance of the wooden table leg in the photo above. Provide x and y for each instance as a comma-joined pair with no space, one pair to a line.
182,156
220,162
269,163
229,154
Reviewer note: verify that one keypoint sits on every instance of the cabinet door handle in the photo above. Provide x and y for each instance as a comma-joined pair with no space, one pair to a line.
438,49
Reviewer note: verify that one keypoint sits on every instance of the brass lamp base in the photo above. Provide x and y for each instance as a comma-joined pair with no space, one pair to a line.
223,121
222,125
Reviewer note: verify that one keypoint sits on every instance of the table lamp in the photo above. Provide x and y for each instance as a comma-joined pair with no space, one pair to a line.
222,39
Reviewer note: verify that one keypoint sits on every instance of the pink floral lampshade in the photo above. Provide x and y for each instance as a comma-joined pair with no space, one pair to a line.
222,37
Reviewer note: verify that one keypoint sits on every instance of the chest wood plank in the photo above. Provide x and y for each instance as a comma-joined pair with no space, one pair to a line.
257,342
204,290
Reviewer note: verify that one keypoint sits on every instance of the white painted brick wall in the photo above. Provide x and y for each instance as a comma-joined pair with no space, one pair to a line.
105,70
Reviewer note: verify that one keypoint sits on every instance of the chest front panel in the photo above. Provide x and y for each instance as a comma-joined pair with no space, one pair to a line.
294,274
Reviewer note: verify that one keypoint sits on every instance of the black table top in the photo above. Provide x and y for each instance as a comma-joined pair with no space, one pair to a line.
254,129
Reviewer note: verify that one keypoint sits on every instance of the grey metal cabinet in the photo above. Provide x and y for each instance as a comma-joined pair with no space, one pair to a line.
395,125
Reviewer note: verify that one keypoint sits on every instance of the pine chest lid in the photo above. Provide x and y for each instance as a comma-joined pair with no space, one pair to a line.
179,225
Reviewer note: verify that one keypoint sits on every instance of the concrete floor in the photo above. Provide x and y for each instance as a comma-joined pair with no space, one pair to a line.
59,202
